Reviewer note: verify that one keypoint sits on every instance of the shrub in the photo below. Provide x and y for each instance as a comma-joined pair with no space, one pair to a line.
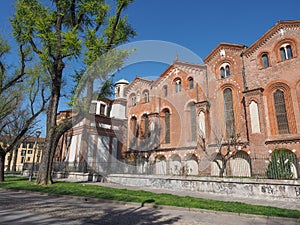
280,165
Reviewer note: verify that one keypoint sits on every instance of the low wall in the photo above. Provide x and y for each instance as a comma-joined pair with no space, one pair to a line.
78,176
241,187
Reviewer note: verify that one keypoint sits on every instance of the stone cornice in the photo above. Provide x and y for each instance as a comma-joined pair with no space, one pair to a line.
282,141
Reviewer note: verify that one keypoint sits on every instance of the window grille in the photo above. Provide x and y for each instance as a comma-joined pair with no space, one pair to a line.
280,110
229,113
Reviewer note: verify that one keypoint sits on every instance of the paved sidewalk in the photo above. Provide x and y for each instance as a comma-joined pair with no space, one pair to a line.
23,208
288,204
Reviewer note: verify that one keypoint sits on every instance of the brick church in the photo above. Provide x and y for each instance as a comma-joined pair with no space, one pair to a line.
238,108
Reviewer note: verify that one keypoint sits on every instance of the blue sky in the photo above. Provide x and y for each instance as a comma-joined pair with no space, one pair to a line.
196,25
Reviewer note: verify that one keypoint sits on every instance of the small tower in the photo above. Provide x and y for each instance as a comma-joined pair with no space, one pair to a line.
120,88
118,109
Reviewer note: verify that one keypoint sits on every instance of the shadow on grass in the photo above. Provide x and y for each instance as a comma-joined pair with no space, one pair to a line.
39,209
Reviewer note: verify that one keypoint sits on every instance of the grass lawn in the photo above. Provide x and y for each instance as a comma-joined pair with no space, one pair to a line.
93,191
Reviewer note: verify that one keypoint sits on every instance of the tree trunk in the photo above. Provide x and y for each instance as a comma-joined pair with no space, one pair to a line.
44,175
2,161
15,157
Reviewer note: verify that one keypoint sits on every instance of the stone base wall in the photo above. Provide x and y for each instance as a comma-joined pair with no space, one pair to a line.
77,176
240,187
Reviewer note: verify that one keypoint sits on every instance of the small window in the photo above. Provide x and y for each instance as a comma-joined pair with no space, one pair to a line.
29,151
133,100
23,152
165,91
102,109
147,99
191,83
118,92
286,52
30,145
178,85
265,60
24,145
225,71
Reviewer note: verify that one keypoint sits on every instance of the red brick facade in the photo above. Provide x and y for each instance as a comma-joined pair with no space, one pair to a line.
261,87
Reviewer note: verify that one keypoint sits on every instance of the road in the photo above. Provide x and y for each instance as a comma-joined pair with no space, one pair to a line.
17,207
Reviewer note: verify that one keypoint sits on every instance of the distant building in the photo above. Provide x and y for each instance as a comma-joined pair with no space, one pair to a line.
24,153
93,144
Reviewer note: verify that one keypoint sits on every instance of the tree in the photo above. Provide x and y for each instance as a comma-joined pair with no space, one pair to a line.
68,30
22,94
225,149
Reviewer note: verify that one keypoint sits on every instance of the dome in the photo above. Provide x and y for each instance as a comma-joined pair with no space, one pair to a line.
122,81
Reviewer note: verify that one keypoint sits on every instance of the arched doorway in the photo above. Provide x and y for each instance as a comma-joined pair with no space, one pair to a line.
160,165
175,165
214,165
240,165
283,164
191,165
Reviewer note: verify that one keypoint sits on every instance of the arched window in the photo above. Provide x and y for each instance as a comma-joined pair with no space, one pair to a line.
147,98
134,126
265,60
225,70
146,126
133,100
167,127
193,121
135,133
178,85
222,70
286,52
229,113
118,92
280,111
165,91
191,83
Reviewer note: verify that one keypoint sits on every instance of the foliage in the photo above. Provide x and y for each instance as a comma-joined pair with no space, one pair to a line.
60,31
280,165
93,191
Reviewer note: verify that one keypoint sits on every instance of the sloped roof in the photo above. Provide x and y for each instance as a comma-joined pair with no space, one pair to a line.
220,46
184,66
291,24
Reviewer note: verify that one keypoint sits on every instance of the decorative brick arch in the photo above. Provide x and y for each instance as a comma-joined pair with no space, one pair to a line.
228,60
260,61
288,40
269,92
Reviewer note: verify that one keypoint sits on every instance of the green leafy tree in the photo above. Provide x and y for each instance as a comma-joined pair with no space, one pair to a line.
67,30
22,98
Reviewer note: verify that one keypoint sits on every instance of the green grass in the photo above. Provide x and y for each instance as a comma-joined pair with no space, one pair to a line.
93,191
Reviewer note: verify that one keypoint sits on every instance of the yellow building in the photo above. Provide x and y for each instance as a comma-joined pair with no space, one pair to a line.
25,154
